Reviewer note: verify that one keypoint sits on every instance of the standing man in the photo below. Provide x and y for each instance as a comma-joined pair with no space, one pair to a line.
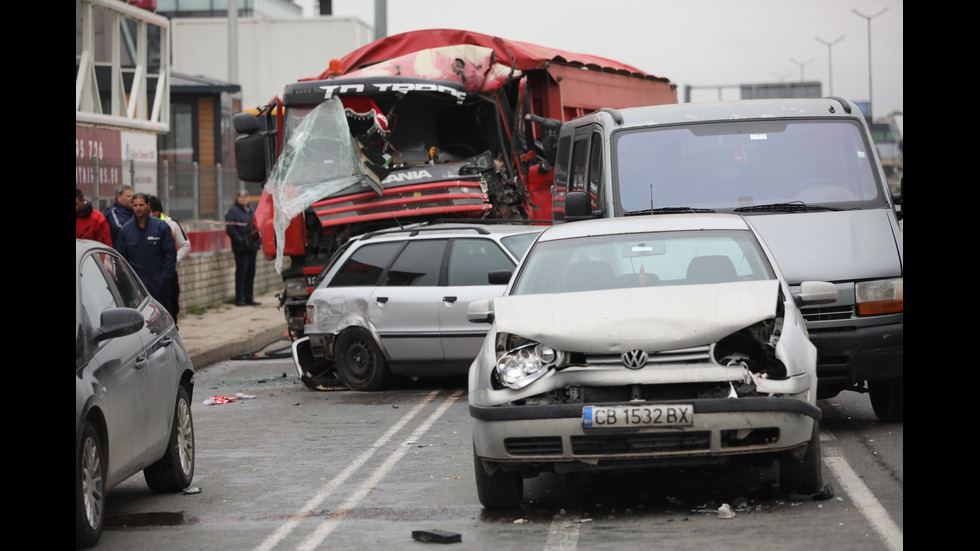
236,222
148,245
90,223
183,249
121,211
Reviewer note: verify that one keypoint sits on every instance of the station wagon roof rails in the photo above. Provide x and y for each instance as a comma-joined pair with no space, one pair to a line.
415,231
489,221
844,104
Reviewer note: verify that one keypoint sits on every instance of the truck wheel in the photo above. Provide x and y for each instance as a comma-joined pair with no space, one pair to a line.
500,490
888,399
175,470
360,363
803,476
89,487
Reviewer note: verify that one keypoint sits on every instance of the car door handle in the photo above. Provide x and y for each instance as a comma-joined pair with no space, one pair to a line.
449,299
140,362
166,341
382,300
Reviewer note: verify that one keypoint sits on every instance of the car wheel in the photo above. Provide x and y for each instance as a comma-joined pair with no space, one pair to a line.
500,490
888,399
89,487
803,475
360,362
175,470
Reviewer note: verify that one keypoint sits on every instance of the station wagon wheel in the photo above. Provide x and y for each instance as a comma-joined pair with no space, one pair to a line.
803,475
175,470
888,399
90,470
360,362
500,490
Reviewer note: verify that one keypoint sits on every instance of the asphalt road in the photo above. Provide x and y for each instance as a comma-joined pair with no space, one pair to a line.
284,467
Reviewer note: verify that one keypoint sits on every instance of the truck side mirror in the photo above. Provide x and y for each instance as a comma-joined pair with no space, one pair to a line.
251,153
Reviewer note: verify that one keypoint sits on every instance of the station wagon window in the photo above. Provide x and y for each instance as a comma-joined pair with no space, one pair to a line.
471,260
418,264
365,265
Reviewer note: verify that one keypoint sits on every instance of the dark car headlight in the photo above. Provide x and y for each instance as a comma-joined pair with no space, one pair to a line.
520,366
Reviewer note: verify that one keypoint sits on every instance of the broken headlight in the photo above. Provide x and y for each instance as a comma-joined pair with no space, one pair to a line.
519,366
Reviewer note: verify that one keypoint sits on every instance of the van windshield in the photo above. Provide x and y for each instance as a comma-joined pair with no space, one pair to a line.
739,164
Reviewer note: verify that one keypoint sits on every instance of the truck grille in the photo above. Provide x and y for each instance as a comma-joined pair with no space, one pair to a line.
453,198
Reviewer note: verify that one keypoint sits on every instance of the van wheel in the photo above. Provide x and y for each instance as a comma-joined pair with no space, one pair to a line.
360,363
175,470
803,476
500,490
90,471
888,399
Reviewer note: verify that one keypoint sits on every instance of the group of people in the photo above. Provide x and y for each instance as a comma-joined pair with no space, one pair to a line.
154,244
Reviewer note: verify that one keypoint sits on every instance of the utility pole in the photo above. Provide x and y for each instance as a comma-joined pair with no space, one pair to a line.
869,18
830,60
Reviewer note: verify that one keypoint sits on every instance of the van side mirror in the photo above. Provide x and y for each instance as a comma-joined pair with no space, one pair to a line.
816,292
480,311
578,206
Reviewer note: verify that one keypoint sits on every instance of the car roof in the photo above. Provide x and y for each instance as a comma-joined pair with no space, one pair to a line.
83,246
645,223
443,230
714,111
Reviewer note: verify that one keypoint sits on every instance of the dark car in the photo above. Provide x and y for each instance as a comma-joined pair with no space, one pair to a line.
133,388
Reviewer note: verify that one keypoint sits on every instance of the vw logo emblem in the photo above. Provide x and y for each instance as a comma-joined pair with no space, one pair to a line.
634,359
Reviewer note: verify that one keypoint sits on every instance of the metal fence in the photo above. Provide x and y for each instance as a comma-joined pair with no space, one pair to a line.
189,192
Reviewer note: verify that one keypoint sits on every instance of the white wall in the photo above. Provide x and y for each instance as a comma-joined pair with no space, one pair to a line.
271,52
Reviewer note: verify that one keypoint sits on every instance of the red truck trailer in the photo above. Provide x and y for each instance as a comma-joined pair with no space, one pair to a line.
418,126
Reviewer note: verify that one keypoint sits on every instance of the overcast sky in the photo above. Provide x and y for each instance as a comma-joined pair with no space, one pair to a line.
700,43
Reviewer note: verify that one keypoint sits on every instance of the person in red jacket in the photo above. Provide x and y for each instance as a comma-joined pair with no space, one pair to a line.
90,223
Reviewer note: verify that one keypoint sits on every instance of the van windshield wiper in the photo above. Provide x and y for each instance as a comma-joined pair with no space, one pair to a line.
795,206
667,210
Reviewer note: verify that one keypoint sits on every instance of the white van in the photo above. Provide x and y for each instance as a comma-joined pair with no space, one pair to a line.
807,173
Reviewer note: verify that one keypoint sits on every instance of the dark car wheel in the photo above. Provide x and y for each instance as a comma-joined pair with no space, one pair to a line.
803,476
500,490
888,399
360,362
89,488
175,470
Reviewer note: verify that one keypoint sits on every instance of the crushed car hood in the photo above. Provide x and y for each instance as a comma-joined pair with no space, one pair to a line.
650,318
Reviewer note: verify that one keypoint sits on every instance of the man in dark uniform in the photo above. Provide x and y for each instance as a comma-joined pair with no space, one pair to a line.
236,225
147,243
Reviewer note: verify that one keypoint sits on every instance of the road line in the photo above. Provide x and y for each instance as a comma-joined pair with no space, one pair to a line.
336,481
562,535
328,525
865,501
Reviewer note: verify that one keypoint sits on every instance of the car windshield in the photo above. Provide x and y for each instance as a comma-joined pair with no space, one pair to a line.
744,164
642,260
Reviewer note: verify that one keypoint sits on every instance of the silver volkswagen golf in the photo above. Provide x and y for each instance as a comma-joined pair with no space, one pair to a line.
620,343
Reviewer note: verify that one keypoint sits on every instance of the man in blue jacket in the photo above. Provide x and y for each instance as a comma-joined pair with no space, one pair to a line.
147,243
121,211
236,225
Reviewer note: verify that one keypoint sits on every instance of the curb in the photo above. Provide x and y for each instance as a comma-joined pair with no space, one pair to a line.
203,359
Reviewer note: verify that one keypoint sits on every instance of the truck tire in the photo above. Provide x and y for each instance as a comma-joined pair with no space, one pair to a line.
888,399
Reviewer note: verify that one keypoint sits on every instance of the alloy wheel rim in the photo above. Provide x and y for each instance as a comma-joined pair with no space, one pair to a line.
92,482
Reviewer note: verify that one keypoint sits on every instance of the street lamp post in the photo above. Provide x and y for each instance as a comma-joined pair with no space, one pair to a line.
830,60
869,18
801,64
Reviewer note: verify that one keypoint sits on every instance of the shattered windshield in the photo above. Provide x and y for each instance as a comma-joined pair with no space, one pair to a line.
744,164
317,160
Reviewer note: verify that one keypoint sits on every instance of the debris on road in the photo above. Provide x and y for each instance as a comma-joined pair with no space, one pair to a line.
214,400
436,536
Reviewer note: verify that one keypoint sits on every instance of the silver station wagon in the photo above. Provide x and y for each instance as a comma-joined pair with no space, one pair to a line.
643,342
393,302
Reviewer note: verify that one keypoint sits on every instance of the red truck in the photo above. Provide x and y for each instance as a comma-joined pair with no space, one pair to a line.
414,127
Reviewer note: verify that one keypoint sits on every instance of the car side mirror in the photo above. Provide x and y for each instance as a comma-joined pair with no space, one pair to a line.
816,292
118,322
499,277
480,311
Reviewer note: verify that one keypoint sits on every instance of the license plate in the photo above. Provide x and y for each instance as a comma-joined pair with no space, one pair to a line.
603,417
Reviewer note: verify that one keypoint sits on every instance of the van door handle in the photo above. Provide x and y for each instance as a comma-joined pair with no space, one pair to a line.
449,299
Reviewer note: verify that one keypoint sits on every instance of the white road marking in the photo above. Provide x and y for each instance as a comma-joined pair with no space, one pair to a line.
307,509
862,497
321,533
562,535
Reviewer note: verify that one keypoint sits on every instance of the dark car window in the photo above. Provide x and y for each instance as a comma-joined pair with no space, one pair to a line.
471,260
96,294
418,264
365,265
124,279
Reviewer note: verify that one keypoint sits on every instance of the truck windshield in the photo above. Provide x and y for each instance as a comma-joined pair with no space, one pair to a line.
742,164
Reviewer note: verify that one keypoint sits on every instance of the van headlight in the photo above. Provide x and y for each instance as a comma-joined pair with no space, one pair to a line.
882,296
518,367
